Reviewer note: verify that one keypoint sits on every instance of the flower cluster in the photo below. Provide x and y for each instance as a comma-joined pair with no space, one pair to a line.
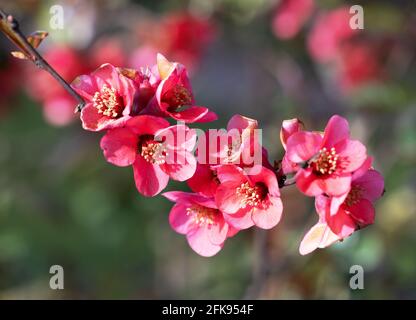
337,171
234,187
131,105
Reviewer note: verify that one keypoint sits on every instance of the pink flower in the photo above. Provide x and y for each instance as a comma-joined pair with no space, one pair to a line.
145,83
290,16
248,200
109,96
238,145
344,214
199,219
340,216
174,92
156,151
330,31
327,161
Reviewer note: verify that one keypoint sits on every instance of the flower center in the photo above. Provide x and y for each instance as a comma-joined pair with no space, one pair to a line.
108,102
353,196
201,215
251,196
179,96
326,162
153,151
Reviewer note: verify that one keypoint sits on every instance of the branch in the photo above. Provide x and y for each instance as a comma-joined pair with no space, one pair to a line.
10,27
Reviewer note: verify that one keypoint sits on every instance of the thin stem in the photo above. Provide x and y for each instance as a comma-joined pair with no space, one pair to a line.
10,27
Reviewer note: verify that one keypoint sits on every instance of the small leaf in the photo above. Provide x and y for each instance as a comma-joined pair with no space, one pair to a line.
19,55
36,38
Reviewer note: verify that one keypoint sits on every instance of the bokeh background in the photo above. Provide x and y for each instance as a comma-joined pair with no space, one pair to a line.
61,203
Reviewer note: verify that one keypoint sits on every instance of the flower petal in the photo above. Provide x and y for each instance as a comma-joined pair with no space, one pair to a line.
182,167
337,185
269,217
373,184
164,66
354,152
289,127
240,122
199,241
120,146
177,137
193,114
203,181
179,220
178,196
240,220
342,224
226,197
322,205
85,86
268,177
146,125
217,232
230,172
302,146
363,212
319,236
309,183
363,169
150,179
336,202
336,130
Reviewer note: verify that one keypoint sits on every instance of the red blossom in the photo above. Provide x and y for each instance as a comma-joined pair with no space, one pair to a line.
198,218
174,96
109,98
326,160
340,216
248,200
156,151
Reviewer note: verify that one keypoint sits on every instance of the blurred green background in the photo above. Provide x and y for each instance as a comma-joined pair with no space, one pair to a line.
61,203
